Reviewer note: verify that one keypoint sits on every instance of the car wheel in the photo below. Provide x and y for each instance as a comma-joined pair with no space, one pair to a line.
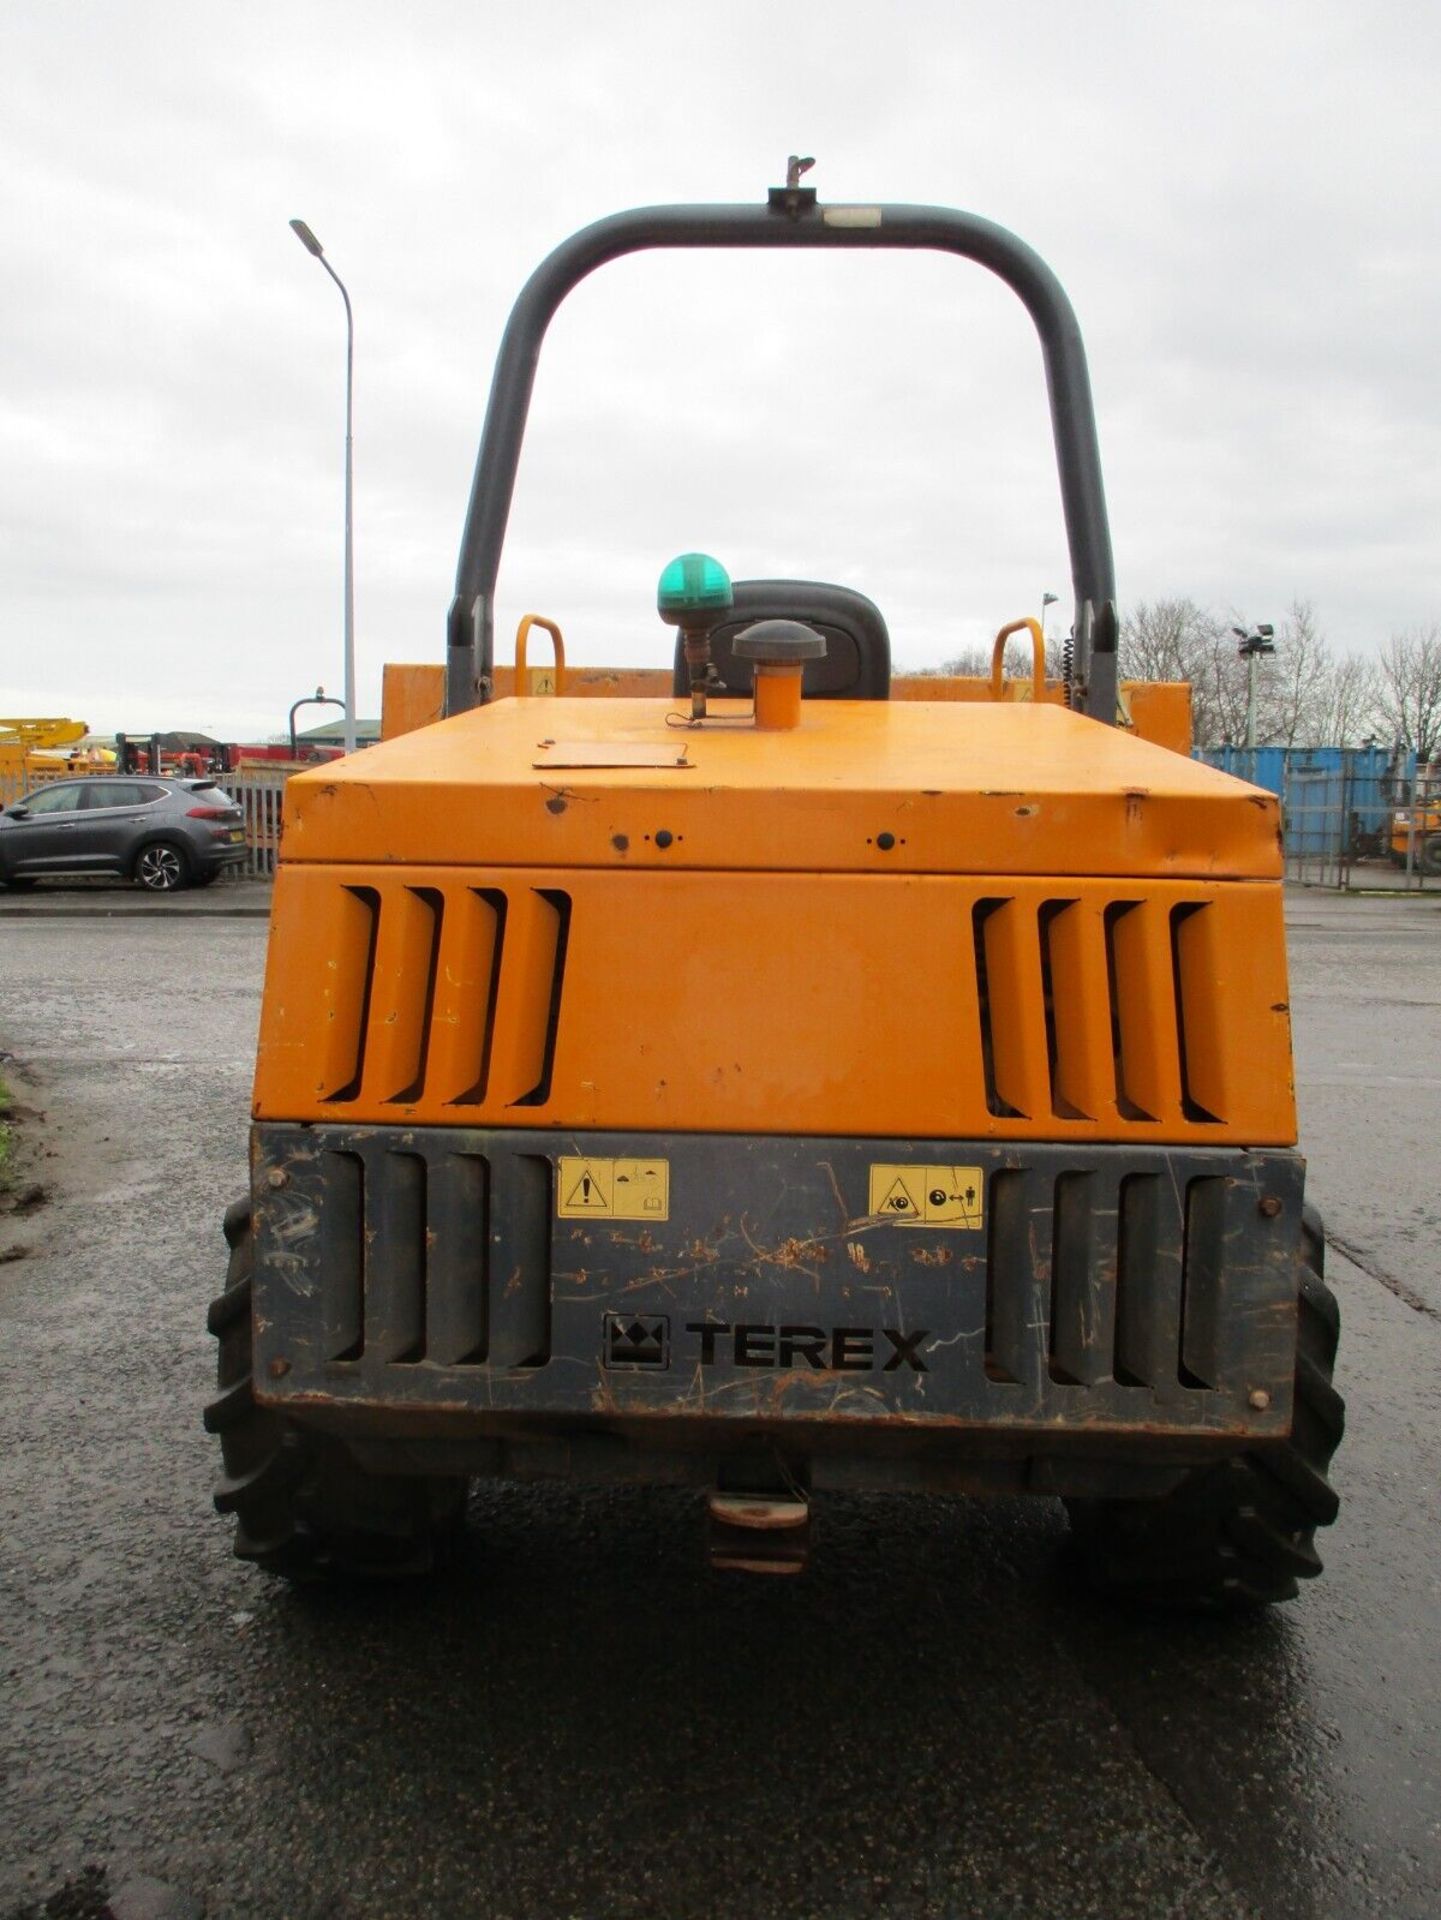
162,867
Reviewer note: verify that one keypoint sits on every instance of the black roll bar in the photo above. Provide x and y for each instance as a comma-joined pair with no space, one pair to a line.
316,699
790,219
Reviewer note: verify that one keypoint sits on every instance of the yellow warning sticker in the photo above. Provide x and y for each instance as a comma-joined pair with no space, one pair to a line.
927,1196
593,1189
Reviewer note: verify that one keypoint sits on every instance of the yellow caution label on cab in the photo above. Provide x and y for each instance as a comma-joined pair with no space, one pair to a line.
596,1189
927,1196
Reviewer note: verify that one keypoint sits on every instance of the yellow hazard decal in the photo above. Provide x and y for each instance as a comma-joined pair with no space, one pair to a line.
592,1189
927,1196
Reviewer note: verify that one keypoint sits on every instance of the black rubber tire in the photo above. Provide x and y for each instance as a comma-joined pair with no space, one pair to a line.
1239,1534
303,1508
1429,858
162,866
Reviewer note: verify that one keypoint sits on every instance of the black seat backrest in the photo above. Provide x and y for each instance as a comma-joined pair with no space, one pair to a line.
857,663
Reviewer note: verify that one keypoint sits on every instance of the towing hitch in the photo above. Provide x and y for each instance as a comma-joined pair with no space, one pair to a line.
759,1533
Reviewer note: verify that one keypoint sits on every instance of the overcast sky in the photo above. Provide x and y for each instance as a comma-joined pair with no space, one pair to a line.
1242,202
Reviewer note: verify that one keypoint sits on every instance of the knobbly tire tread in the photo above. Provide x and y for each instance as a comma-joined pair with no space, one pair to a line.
303,1508
1239,1534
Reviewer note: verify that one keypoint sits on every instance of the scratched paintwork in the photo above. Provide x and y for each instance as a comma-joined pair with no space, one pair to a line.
772,1235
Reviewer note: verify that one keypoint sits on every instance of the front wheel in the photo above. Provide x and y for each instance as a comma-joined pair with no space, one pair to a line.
1239,1534
303,1508
1430,857
162,867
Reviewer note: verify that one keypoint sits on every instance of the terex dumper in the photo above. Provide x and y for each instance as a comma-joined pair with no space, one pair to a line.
770,1085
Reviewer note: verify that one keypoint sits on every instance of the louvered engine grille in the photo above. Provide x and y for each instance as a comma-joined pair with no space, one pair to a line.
449,993
1086,1012
1105,1286
408,1253
927,1004
1091,1279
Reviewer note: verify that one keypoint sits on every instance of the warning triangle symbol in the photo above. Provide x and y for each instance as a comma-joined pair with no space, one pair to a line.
587,1192
899,1202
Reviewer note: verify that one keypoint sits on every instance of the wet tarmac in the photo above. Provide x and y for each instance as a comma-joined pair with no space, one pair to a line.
581,1720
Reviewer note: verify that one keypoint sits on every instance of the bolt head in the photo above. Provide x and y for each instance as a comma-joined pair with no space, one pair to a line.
280,1366
1260,1399
1270,1205
278,1177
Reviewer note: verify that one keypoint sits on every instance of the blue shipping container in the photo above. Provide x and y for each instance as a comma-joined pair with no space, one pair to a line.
1331,796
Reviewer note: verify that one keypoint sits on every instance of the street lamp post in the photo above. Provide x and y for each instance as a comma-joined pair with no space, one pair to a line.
308,240
1047,600
1250,647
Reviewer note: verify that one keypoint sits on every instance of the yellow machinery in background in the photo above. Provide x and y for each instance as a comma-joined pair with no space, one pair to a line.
1415,837
772,1078
32,747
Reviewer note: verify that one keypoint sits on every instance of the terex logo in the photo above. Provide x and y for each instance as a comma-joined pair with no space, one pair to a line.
835,1349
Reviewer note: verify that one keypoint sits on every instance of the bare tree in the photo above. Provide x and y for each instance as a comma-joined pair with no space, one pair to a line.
1306,695
969,661
1224,677
1408,690
1163,639
1290,696
1174,639
1310,696
1346,702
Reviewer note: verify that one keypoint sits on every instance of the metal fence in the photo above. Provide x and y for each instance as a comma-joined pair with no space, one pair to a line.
14,782
1340,833
260,791
1347,814
1416,844
1322,825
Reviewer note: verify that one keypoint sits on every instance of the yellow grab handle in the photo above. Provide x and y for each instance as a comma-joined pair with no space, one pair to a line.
1038,658
539,620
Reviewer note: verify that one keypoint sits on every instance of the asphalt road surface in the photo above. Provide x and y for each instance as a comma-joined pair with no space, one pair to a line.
583,1721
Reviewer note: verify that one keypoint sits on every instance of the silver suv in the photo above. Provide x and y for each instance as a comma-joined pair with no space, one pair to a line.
162,833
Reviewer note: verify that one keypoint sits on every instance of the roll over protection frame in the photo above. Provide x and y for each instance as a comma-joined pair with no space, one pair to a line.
791,218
